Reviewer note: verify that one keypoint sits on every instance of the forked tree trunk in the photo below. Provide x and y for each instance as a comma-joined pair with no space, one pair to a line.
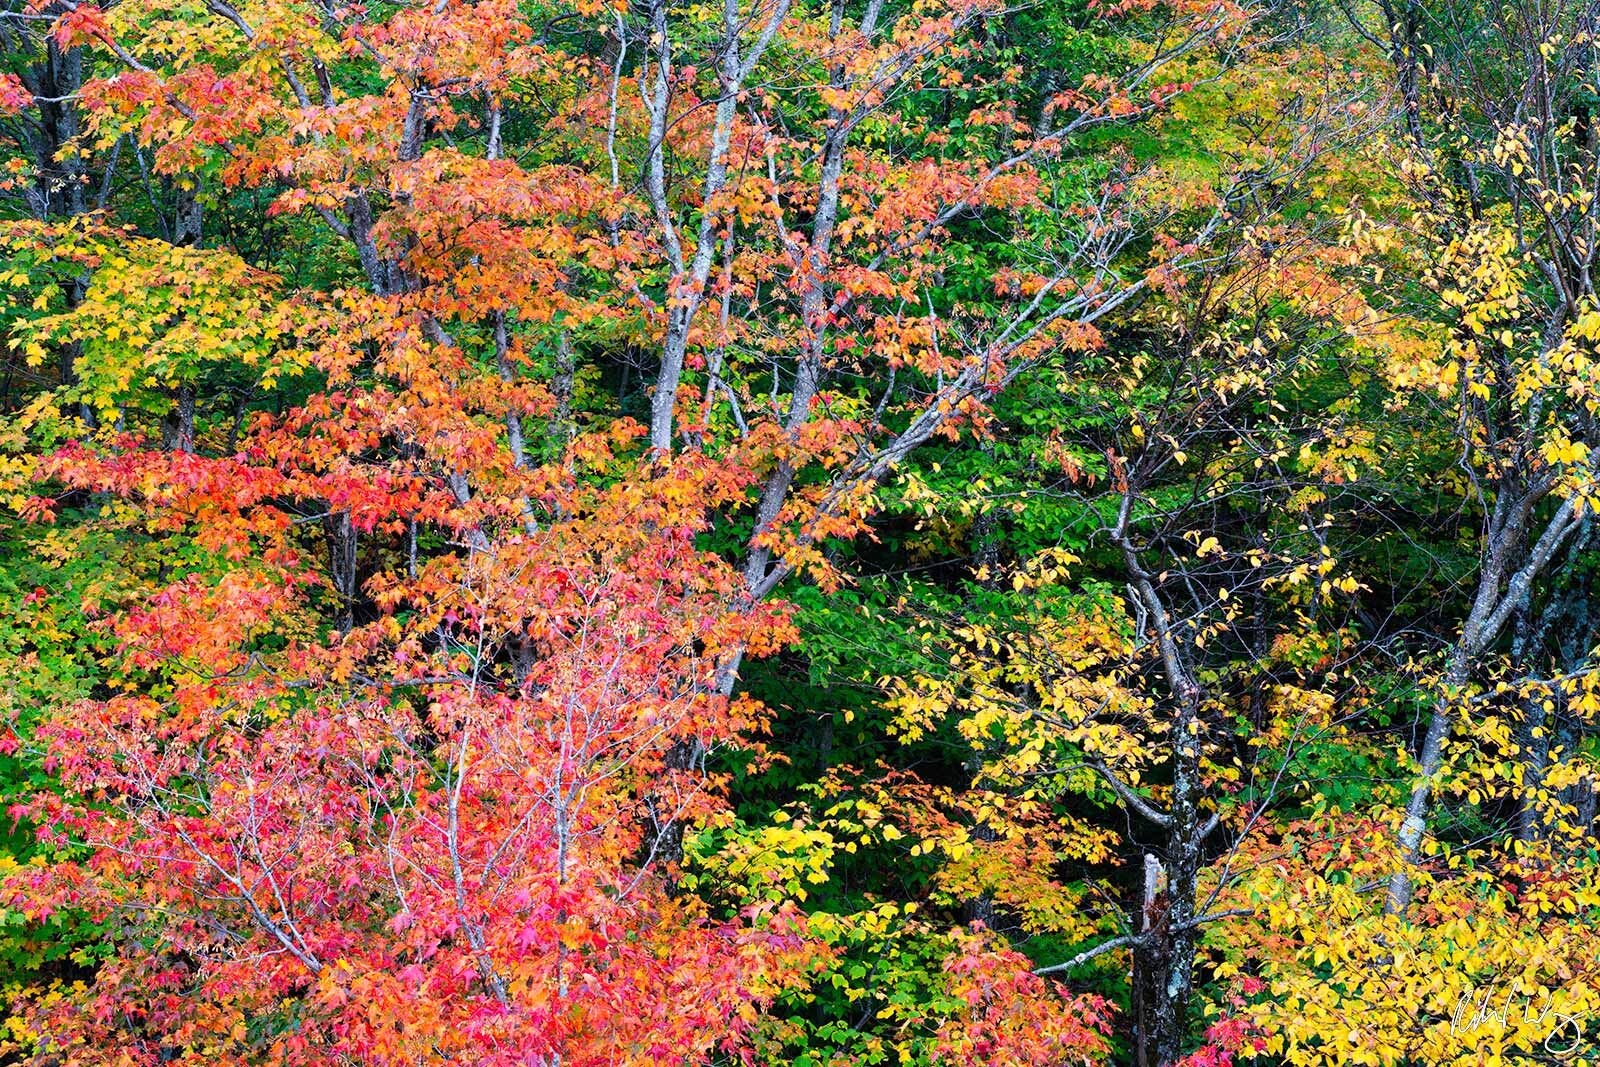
1500,593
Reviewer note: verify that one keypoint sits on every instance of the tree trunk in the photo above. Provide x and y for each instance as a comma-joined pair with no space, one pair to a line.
343,543
1548,727
1164,960
1147,954
1169,955
563,427
177,426
1492,608
1430,760
60,191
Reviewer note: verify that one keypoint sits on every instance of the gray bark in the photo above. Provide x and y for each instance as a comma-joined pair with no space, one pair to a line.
1491,609
343,547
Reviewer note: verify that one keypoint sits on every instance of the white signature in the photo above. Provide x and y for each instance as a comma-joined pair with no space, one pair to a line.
1488,1006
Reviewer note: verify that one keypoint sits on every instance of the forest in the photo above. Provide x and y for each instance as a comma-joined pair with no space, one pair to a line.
604,533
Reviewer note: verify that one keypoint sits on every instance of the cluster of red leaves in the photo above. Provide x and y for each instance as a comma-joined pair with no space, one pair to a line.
395,844
1017,1019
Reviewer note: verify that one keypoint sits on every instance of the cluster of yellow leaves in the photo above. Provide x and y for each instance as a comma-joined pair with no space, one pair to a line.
1487,343
1024,695
152,316
1489,753
17,467
1495,964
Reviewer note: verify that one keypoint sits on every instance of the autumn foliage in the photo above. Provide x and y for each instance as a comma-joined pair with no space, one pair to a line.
899,531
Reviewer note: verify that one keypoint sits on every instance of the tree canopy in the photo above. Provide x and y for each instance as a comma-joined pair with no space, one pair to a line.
799,532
